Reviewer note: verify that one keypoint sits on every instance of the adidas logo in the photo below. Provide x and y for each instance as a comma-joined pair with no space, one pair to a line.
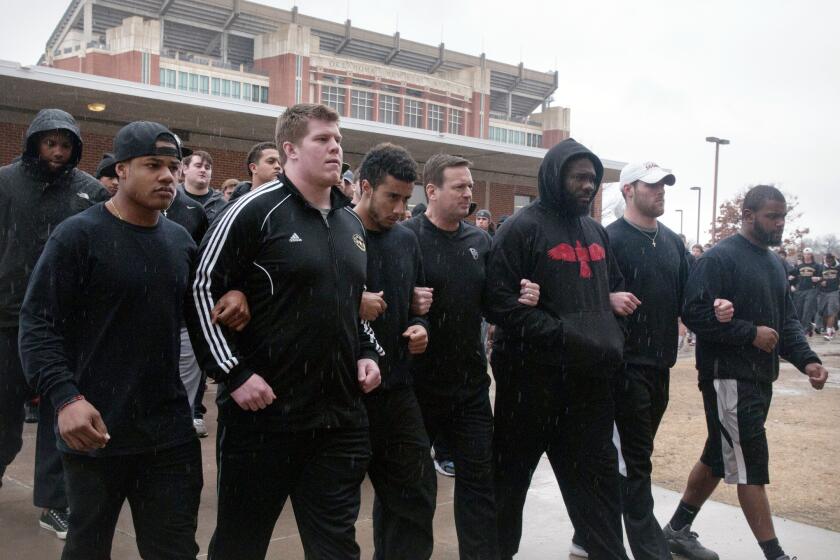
295,238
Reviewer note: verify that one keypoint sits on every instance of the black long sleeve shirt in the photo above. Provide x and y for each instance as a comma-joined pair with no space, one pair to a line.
395,267
754,280
805,274
101,318
454,265
656,275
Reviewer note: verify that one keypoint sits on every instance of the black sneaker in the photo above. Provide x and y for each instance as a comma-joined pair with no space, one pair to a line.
685,542
31,413
54,520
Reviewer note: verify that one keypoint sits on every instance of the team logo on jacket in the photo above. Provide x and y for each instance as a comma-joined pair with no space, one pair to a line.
579,254
360,243
474,253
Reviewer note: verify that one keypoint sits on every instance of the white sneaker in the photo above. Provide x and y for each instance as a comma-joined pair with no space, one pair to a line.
200,427
577,550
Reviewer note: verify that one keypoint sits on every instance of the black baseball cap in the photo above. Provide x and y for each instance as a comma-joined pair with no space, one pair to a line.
138,139
107,166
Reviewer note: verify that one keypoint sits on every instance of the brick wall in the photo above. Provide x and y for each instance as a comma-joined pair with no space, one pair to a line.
226,163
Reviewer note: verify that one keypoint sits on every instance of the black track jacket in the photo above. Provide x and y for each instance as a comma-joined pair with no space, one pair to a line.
303,277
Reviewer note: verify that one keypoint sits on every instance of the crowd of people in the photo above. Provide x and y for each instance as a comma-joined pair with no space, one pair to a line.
348,338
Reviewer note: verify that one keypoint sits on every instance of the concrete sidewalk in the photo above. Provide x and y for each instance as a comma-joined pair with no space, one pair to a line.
547,530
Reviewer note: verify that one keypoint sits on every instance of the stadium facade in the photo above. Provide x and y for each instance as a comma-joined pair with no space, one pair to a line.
219,71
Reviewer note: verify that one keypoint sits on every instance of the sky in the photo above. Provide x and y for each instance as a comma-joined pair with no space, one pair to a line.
646,80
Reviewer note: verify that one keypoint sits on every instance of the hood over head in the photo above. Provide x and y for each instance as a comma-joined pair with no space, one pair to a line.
550,180
53,119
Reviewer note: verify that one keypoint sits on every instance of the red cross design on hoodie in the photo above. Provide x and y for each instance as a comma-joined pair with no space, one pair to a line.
581,254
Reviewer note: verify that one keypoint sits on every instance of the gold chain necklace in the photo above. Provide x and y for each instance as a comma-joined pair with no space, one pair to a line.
117,210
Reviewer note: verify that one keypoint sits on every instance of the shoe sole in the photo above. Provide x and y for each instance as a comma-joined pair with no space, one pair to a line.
60,534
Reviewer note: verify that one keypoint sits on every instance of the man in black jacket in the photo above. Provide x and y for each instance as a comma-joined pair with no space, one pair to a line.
197,170
292,421
99,340
554,364
737,363
450,378
37,193
401,467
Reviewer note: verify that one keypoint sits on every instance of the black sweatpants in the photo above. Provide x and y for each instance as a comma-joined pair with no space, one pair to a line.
163,489
320,471
466,421
641,397
14,392
403,476
569,416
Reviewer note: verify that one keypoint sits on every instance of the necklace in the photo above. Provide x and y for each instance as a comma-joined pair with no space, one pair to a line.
646,233
114,206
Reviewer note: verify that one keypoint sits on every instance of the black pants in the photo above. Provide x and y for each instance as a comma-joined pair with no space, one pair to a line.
320,471
403,476
163,489
199,410
641,397
14,392
569,416
467,423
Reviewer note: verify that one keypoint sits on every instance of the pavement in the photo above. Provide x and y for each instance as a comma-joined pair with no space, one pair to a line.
547,530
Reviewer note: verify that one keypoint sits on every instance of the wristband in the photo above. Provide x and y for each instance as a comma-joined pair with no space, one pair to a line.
71,401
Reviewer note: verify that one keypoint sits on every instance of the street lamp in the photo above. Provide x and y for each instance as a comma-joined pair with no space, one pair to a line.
681,219
698,189
717,142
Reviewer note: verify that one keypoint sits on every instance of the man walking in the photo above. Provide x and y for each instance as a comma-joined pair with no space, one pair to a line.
828,299
197,171
99,339
737,363
291,419
401,467
554,365
37,192
451,380
808,275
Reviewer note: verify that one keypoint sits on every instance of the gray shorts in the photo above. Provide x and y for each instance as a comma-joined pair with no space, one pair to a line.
828,304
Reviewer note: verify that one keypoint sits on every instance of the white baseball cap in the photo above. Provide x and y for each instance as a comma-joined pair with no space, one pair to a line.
807,251
646,171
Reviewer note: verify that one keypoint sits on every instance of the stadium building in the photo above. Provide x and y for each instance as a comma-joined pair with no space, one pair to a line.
218,72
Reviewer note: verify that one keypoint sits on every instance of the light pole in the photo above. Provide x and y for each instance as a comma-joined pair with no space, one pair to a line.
681,219
717,142
698,189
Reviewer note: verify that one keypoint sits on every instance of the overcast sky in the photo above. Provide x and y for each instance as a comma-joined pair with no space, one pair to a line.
645,80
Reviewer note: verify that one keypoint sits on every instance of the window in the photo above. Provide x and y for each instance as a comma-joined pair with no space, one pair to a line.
331,78
263,94
389,109
361,105
456,119
255,93
520,201
246,92
414,92
234,89
193,82
389,88
183,81
362,83
413,113
216,84
226,88
333,96
435,117
205,84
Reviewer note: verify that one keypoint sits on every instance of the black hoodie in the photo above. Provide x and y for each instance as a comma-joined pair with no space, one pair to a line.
33,201
569,256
